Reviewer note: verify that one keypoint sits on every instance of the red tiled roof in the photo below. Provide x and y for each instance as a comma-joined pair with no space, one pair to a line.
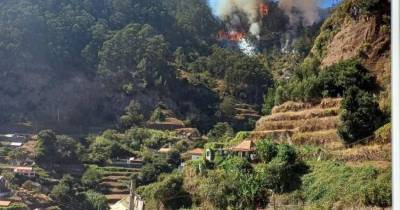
245,146
196,151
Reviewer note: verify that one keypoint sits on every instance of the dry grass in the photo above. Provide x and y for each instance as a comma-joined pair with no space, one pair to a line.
318,124
314,124
375,164
363,153
331,103
291,106
316,138
298,106
301,115
384,134
278,125
276,135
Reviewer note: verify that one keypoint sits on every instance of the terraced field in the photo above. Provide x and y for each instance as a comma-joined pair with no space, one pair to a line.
302,123
316,125
115,182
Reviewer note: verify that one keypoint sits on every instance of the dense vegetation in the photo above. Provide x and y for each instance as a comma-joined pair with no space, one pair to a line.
143,71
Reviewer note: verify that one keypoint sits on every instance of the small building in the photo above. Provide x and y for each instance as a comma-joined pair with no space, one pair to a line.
196,153
216,150
4,204
165,150
16,144
246,149
134,161
13,138
26,171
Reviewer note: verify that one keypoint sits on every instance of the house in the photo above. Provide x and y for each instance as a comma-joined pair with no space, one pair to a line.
216,149
26,171
196,153
135,161
245,149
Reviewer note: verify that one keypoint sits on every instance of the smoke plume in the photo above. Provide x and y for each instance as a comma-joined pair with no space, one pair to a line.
301,10
227,10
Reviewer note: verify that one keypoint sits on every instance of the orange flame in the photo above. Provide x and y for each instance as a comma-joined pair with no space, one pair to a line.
235,36
263,9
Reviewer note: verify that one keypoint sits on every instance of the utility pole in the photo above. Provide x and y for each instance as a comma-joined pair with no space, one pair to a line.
132,196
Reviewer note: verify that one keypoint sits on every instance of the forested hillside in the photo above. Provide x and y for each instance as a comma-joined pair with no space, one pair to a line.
56,61
70,63
259,104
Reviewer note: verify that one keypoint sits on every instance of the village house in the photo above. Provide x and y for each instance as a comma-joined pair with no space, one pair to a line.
26,171
196,153
218,149
245,149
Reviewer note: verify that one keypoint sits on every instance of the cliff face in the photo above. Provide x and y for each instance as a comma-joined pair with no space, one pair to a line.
363,38
359,29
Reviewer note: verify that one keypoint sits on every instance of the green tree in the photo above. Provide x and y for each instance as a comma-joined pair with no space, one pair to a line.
135,55
360,115
269,101
46,146
64,193
133,115
100,150
169,191
220,132
91,178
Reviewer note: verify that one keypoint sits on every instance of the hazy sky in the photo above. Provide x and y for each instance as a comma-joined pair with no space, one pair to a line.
324,3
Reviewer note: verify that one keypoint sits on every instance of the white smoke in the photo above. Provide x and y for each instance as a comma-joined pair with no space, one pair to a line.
301,10
227,9
246,47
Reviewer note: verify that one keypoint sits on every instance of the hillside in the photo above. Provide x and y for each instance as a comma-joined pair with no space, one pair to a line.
301,123
178,104
358,29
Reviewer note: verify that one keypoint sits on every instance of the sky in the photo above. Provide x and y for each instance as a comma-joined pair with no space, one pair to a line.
324,3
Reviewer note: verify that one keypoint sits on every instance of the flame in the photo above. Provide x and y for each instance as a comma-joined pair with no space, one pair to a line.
235,36
263,9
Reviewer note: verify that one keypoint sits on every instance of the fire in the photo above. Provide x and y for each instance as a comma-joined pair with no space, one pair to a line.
263,9
235,36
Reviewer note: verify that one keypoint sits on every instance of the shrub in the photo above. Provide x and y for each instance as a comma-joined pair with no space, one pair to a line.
266,150
286,153
220,132
169,191
269,101
334,182
91,178
236,165
157,115
95,201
